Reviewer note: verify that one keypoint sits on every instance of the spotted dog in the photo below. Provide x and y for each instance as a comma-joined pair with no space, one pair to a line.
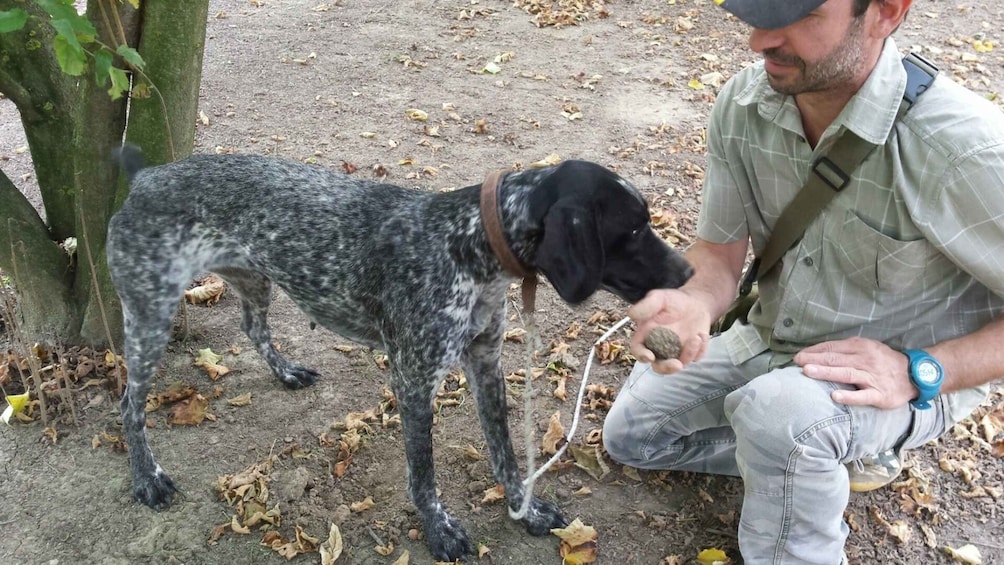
407,271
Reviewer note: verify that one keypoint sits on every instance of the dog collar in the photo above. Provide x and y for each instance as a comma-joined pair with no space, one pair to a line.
492,222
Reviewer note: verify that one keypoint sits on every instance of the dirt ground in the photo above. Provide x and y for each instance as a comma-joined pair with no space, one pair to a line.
332,83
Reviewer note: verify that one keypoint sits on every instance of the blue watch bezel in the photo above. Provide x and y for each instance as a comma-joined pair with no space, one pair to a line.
928,391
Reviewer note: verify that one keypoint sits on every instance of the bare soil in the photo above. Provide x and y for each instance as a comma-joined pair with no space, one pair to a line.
332,83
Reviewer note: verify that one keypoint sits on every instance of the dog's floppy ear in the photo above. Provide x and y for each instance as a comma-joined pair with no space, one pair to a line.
570,254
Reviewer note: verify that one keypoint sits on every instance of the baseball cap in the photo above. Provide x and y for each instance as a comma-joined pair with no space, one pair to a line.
770,14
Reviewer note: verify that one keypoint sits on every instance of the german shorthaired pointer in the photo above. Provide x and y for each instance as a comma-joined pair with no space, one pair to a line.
407,271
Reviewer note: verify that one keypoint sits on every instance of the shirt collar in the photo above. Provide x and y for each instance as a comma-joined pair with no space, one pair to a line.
870,113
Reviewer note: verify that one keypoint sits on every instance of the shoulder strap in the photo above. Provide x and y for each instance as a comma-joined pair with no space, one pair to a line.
830,174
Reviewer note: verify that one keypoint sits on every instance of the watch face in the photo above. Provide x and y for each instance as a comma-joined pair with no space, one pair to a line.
927,372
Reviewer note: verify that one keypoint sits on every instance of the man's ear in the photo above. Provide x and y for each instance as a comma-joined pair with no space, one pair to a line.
571,254
889,14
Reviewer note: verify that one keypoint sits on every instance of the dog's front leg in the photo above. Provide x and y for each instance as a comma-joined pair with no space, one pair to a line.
484,373
447,539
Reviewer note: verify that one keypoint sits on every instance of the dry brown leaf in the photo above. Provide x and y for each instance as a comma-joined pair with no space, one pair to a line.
588,459
900,531
331,549
549,161
555,435
493,494
584,491
236,526
190,412
578,543
967,554
384,550
483,550
363,505
242,400
208,292
210,362
403,560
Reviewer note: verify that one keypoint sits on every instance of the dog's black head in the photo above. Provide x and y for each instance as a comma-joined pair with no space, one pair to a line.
597,235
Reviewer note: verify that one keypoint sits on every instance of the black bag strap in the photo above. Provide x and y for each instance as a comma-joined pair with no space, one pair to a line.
830,174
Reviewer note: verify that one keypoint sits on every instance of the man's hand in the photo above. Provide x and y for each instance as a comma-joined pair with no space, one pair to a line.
678,311
880,373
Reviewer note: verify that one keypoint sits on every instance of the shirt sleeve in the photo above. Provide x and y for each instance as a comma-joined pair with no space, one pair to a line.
963,216
722,217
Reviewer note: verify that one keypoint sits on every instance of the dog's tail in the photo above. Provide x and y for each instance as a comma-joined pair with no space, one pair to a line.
130,158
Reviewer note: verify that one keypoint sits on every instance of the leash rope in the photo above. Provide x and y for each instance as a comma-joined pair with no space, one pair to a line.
534,474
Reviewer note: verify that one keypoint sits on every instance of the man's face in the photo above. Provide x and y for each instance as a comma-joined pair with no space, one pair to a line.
823,51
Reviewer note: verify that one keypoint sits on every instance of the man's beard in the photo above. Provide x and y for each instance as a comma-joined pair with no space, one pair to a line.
838,67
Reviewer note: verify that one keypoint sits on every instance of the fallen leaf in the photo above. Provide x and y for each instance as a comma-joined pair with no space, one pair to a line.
208,291
416,114
549,161
190,412
210,362
713,556
403,560
236,526
493,494
331,549
362,505
15,405
242,400
578,543
588,459
968,554
384,550
555,435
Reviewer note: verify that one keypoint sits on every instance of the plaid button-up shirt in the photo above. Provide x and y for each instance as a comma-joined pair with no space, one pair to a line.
910,253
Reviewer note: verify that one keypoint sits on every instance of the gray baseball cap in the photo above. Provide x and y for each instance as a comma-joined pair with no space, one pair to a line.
770,14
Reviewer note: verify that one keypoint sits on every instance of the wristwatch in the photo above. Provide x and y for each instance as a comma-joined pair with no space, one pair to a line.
927,374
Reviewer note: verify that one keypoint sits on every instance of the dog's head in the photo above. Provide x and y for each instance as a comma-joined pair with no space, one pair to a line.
597,236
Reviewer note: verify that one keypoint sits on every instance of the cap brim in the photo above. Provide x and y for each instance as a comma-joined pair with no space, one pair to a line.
769,15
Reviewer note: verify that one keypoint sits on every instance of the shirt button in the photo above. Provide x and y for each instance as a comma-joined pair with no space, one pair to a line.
807,261
788,322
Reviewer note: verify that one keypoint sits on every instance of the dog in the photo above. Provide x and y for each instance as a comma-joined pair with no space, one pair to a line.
407,271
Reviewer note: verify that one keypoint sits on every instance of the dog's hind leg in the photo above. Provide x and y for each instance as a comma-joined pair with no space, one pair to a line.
484,374
147,331
255,292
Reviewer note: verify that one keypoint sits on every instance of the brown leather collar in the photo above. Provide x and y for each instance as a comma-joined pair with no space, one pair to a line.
492,222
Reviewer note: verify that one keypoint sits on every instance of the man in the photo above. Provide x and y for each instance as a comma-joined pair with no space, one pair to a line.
909,257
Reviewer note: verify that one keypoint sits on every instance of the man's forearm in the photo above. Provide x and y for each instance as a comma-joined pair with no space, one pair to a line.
717,268
972,360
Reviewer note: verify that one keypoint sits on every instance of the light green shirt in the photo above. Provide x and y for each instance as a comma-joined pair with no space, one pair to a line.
910,253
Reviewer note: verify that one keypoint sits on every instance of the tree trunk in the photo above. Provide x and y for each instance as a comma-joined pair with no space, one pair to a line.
72,125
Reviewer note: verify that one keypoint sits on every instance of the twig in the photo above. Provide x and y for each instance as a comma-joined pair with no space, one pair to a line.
97,295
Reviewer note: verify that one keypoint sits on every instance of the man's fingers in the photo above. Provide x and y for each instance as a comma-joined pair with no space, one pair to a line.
646,307
861,397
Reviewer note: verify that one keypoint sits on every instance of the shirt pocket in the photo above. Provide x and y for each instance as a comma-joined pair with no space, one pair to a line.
872,259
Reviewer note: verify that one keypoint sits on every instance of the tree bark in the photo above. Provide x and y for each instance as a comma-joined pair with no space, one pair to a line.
72,125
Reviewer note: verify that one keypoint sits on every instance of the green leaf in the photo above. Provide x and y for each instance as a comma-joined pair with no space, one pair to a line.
59,9
120,83
65,14
102,66
134,4
70,55
131,55
12,20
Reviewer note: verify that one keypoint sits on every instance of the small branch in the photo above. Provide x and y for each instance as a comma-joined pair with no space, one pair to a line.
18,94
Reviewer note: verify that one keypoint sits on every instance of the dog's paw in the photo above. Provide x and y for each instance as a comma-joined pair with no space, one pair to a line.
295,377
447,539
542,517
155,491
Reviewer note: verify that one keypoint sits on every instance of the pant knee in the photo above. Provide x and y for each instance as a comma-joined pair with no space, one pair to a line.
777,412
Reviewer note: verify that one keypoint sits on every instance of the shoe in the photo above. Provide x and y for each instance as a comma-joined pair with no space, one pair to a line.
870,473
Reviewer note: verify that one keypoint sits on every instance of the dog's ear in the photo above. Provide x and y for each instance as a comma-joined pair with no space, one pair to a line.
571,254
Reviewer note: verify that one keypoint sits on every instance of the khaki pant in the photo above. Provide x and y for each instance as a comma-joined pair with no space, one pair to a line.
765,421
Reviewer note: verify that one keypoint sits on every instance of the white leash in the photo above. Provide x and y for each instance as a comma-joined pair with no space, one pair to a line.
533,475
